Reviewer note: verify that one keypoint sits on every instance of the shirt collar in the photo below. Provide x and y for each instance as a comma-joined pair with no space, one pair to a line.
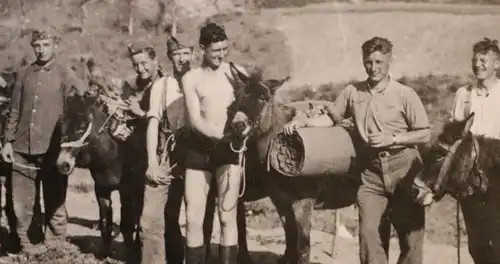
47,66
381,91
482,91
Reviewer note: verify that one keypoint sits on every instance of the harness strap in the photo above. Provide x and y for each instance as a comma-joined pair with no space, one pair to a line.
443,172
483,185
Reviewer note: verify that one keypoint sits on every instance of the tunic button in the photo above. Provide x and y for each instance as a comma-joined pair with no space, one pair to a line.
36,97
34,110
32,124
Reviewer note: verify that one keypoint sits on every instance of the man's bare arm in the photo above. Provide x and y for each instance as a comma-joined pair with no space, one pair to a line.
193,107
415,137
317,121
152,140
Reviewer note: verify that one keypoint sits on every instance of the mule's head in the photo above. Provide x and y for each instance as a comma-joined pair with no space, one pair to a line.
253,102
76,128
440,161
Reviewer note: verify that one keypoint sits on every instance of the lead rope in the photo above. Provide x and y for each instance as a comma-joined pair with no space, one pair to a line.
241,163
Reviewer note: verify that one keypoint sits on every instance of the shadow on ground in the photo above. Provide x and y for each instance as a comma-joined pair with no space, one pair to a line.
260,257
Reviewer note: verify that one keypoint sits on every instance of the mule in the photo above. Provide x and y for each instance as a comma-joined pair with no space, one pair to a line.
466,167
87,144
257,118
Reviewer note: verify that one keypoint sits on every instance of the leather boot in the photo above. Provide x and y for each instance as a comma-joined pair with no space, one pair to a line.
228,254
195,255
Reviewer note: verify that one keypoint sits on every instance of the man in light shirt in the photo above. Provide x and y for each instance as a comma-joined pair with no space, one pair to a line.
481,98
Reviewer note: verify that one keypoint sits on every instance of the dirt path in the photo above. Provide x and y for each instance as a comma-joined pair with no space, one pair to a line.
266,245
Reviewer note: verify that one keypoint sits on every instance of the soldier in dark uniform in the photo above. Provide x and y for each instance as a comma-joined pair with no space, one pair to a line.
136,91
32,139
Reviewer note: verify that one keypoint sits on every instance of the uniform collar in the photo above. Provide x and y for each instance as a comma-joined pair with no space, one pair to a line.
47,66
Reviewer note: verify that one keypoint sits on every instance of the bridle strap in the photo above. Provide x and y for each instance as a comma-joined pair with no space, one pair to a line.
79,142
443,172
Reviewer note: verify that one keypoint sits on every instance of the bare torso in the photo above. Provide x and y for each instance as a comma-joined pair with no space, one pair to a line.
215,94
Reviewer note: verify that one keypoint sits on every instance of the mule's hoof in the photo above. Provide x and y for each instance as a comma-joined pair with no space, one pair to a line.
245,259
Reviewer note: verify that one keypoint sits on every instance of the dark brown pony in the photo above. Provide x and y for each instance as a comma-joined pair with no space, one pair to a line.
260,117
466,166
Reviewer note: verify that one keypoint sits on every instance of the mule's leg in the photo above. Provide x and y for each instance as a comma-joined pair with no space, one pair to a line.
478,233
129,220
103,195
243,254
302,210
283,206
408,219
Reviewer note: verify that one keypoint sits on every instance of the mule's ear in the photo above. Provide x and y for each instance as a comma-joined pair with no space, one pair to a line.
276,84
240,78
468,124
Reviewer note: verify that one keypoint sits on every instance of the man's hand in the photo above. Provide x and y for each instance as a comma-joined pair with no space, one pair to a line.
7,152
347,123
135,108
380,139
292,126
152,173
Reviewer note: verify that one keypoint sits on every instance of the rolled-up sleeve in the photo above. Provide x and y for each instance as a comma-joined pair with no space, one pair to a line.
460,102
416,115
337,111
157,100
15,108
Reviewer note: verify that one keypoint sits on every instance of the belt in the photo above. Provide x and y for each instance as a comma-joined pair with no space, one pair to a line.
390,152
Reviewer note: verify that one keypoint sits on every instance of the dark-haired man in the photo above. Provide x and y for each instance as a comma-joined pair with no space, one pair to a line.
208,93
482,99
391,121
32,138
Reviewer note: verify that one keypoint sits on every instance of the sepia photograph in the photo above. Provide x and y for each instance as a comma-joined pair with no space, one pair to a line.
249,132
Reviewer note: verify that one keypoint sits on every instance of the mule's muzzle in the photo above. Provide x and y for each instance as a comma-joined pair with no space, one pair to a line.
241,126
421,193
65,162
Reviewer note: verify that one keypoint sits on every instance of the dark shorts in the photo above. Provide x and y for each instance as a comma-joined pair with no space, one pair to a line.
205,154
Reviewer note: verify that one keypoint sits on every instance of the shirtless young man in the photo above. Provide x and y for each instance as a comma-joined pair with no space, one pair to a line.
208,93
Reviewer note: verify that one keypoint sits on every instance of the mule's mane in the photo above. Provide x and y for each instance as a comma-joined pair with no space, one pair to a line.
451,131
489,155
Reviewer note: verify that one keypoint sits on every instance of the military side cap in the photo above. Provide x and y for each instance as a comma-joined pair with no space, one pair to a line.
138,46
48,32
179,41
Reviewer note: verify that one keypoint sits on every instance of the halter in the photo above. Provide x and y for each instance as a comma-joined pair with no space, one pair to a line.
79,142
443,172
